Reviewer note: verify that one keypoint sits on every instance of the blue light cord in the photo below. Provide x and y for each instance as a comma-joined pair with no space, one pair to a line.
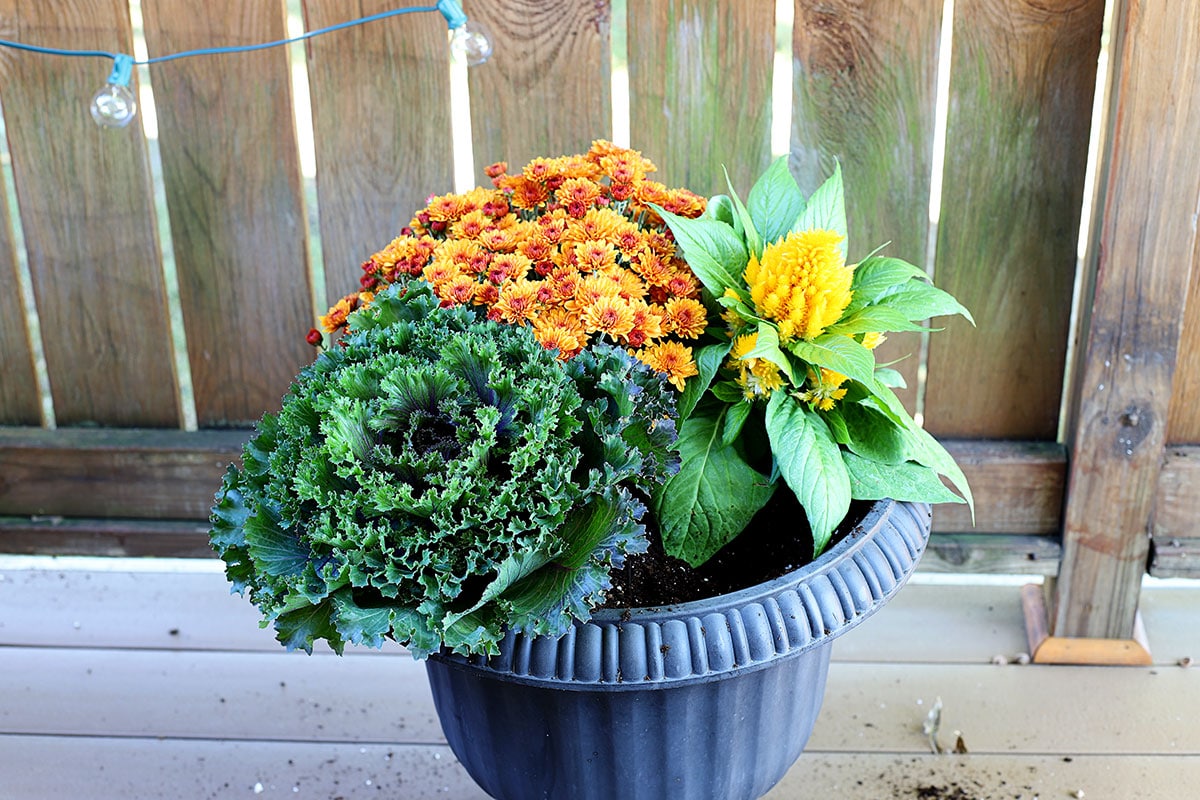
123,64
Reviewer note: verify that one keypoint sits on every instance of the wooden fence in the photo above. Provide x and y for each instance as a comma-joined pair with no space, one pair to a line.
1095,495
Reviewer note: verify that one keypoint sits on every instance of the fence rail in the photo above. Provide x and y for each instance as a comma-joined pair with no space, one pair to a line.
701,74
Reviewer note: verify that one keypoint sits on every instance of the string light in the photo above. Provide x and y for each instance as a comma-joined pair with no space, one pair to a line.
114,106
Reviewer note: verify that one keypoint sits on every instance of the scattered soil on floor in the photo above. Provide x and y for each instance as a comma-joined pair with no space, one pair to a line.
952,792
777,541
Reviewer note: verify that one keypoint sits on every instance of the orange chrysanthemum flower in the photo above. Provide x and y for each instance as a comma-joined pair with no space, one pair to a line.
671,358
685,317
610,316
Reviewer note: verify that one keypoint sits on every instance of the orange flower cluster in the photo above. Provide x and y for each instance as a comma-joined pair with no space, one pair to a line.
569,246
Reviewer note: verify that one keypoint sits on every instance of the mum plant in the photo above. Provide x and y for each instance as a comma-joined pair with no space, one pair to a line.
474,452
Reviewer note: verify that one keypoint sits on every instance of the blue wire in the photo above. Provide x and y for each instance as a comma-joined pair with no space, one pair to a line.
55,51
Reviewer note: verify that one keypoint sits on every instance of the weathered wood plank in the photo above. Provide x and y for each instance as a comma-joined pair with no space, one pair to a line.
1018,488
88,218
547,89
368,699
1021,91
381,120
864,94
1183,420
1175,545
700,90
990,553
1145,244
119,473
110,768
56,535
232,177
20,403
65,768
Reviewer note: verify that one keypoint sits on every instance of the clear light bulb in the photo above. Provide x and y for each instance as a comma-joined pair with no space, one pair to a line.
114,105
471,43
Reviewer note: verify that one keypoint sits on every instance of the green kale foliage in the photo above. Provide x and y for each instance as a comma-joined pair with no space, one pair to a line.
438,479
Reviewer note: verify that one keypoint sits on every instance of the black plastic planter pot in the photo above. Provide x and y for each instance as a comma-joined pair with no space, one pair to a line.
709,700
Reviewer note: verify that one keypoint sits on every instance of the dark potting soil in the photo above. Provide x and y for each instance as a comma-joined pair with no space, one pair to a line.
777,541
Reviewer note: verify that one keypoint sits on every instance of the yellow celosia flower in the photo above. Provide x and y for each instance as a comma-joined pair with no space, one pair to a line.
757,376
873,340
802,282
824,388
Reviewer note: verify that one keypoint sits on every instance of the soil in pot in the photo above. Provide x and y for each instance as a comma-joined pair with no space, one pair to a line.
776,542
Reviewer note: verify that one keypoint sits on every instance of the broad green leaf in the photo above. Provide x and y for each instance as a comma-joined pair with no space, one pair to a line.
826,208
714,495
811,464
735,419
728,392
838,353
837,425
870,480
873,319
720,207
767,347
775,202
708,361
875,274
874,435
918,300
753,239
923,448
712,249
891,378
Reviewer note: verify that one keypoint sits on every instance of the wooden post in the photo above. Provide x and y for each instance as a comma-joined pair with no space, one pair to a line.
1145,240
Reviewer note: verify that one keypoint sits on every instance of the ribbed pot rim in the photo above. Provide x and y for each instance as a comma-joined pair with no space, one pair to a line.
712,638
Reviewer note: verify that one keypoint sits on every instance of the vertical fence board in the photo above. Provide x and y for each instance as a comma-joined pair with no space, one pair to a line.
1146,240
381,119
547,89
864,94
700,90
233,189
85,201
1183,422
1021,89
19,401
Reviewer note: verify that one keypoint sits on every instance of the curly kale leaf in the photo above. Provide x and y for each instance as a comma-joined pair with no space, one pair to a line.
438,479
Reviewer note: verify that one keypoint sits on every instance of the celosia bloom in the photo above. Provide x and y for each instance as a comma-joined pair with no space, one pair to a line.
757,376
802,282
824,388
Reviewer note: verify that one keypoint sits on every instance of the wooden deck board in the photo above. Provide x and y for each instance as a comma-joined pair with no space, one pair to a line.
156,684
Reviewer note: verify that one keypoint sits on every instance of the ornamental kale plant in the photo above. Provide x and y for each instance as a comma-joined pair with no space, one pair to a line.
438,478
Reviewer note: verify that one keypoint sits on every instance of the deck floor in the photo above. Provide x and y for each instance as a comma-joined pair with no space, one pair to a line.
153,684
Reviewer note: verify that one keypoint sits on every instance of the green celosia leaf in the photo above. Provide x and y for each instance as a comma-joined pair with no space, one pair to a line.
775,202
838,353
891,378
918,300
873,319
720,207
714,495
873,435
766,346
870,480
735,420
708,361
712,249
876,274
810,462
749,233
826,209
